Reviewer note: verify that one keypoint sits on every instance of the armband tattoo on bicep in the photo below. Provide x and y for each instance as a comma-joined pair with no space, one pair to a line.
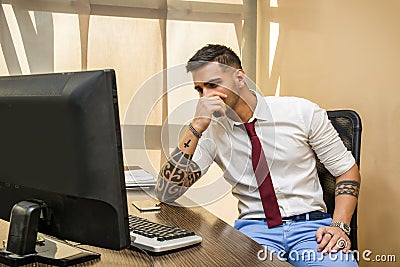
176,176
347,187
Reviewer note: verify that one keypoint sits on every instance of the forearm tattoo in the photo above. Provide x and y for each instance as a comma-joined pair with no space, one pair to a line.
347,188
187,143
176,176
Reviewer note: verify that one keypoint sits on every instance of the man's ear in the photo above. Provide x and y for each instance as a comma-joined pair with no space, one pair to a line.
240,77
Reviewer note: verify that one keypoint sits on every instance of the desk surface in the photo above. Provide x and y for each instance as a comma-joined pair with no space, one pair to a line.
222,244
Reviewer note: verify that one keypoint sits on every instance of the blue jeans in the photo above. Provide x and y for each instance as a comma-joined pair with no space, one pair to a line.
295,242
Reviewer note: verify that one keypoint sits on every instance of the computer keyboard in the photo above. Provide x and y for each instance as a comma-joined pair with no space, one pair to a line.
157,238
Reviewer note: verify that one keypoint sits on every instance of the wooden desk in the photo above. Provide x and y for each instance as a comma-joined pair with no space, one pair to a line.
222,244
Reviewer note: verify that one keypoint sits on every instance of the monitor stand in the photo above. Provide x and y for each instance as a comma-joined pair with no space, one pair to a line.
23,246
49,251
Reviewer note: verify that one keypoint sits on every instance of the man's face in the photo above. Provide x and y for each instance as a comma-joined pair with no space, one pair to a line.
212,77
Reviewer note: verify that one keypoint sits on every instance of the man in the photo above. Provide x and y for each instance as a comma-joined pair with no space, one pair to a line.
266,148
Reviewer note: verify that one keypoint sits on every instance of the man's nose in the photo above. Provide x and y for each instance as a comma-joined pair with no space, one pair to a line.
206,91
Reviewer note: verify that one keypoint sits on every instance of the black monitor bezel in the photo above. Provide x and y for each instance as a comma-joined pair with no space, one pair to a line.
104,165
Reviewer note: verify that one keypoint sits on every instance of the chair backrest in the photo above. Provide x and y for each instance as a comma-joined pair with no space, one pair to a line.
348,124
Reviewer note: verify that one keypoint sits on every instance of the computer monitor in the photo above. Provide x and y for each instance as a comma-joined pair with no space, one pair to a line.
61,160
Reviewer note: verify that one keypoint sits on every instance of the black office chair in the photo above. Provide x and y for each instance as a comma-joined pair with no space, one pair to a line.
348,125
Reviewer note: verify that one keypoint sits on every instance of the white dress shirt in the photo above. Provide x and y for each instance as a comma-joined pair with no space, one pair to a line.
290,130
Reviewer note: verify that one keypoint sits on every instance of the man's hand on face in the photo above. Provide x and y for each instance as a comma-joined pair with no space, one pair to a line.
212,103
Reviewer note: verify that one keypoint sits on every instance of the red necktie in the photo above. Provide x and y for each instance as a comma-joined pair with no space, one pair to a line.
263,177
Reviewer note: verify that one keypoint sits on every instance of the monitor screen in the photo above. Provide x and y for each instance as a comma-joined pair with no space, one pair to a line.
60,146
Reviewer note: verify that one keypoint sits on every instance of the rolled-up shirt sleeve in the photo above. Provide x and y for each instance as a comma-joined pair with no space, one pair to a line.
325,141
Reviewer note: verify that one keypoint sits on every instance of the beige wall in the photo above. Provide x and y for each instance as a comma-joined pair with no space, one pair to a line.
345,54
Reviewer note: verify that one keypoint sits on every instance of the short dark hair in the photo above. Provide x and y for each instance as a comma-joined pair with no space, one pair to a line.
214,53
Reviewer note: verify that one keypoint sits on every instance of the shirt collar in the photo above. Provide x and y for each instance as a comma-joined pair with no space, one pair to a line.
260,112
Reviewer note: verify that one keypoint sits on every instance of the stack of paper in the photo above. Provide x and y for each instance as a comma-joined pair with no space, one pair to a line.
136,177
